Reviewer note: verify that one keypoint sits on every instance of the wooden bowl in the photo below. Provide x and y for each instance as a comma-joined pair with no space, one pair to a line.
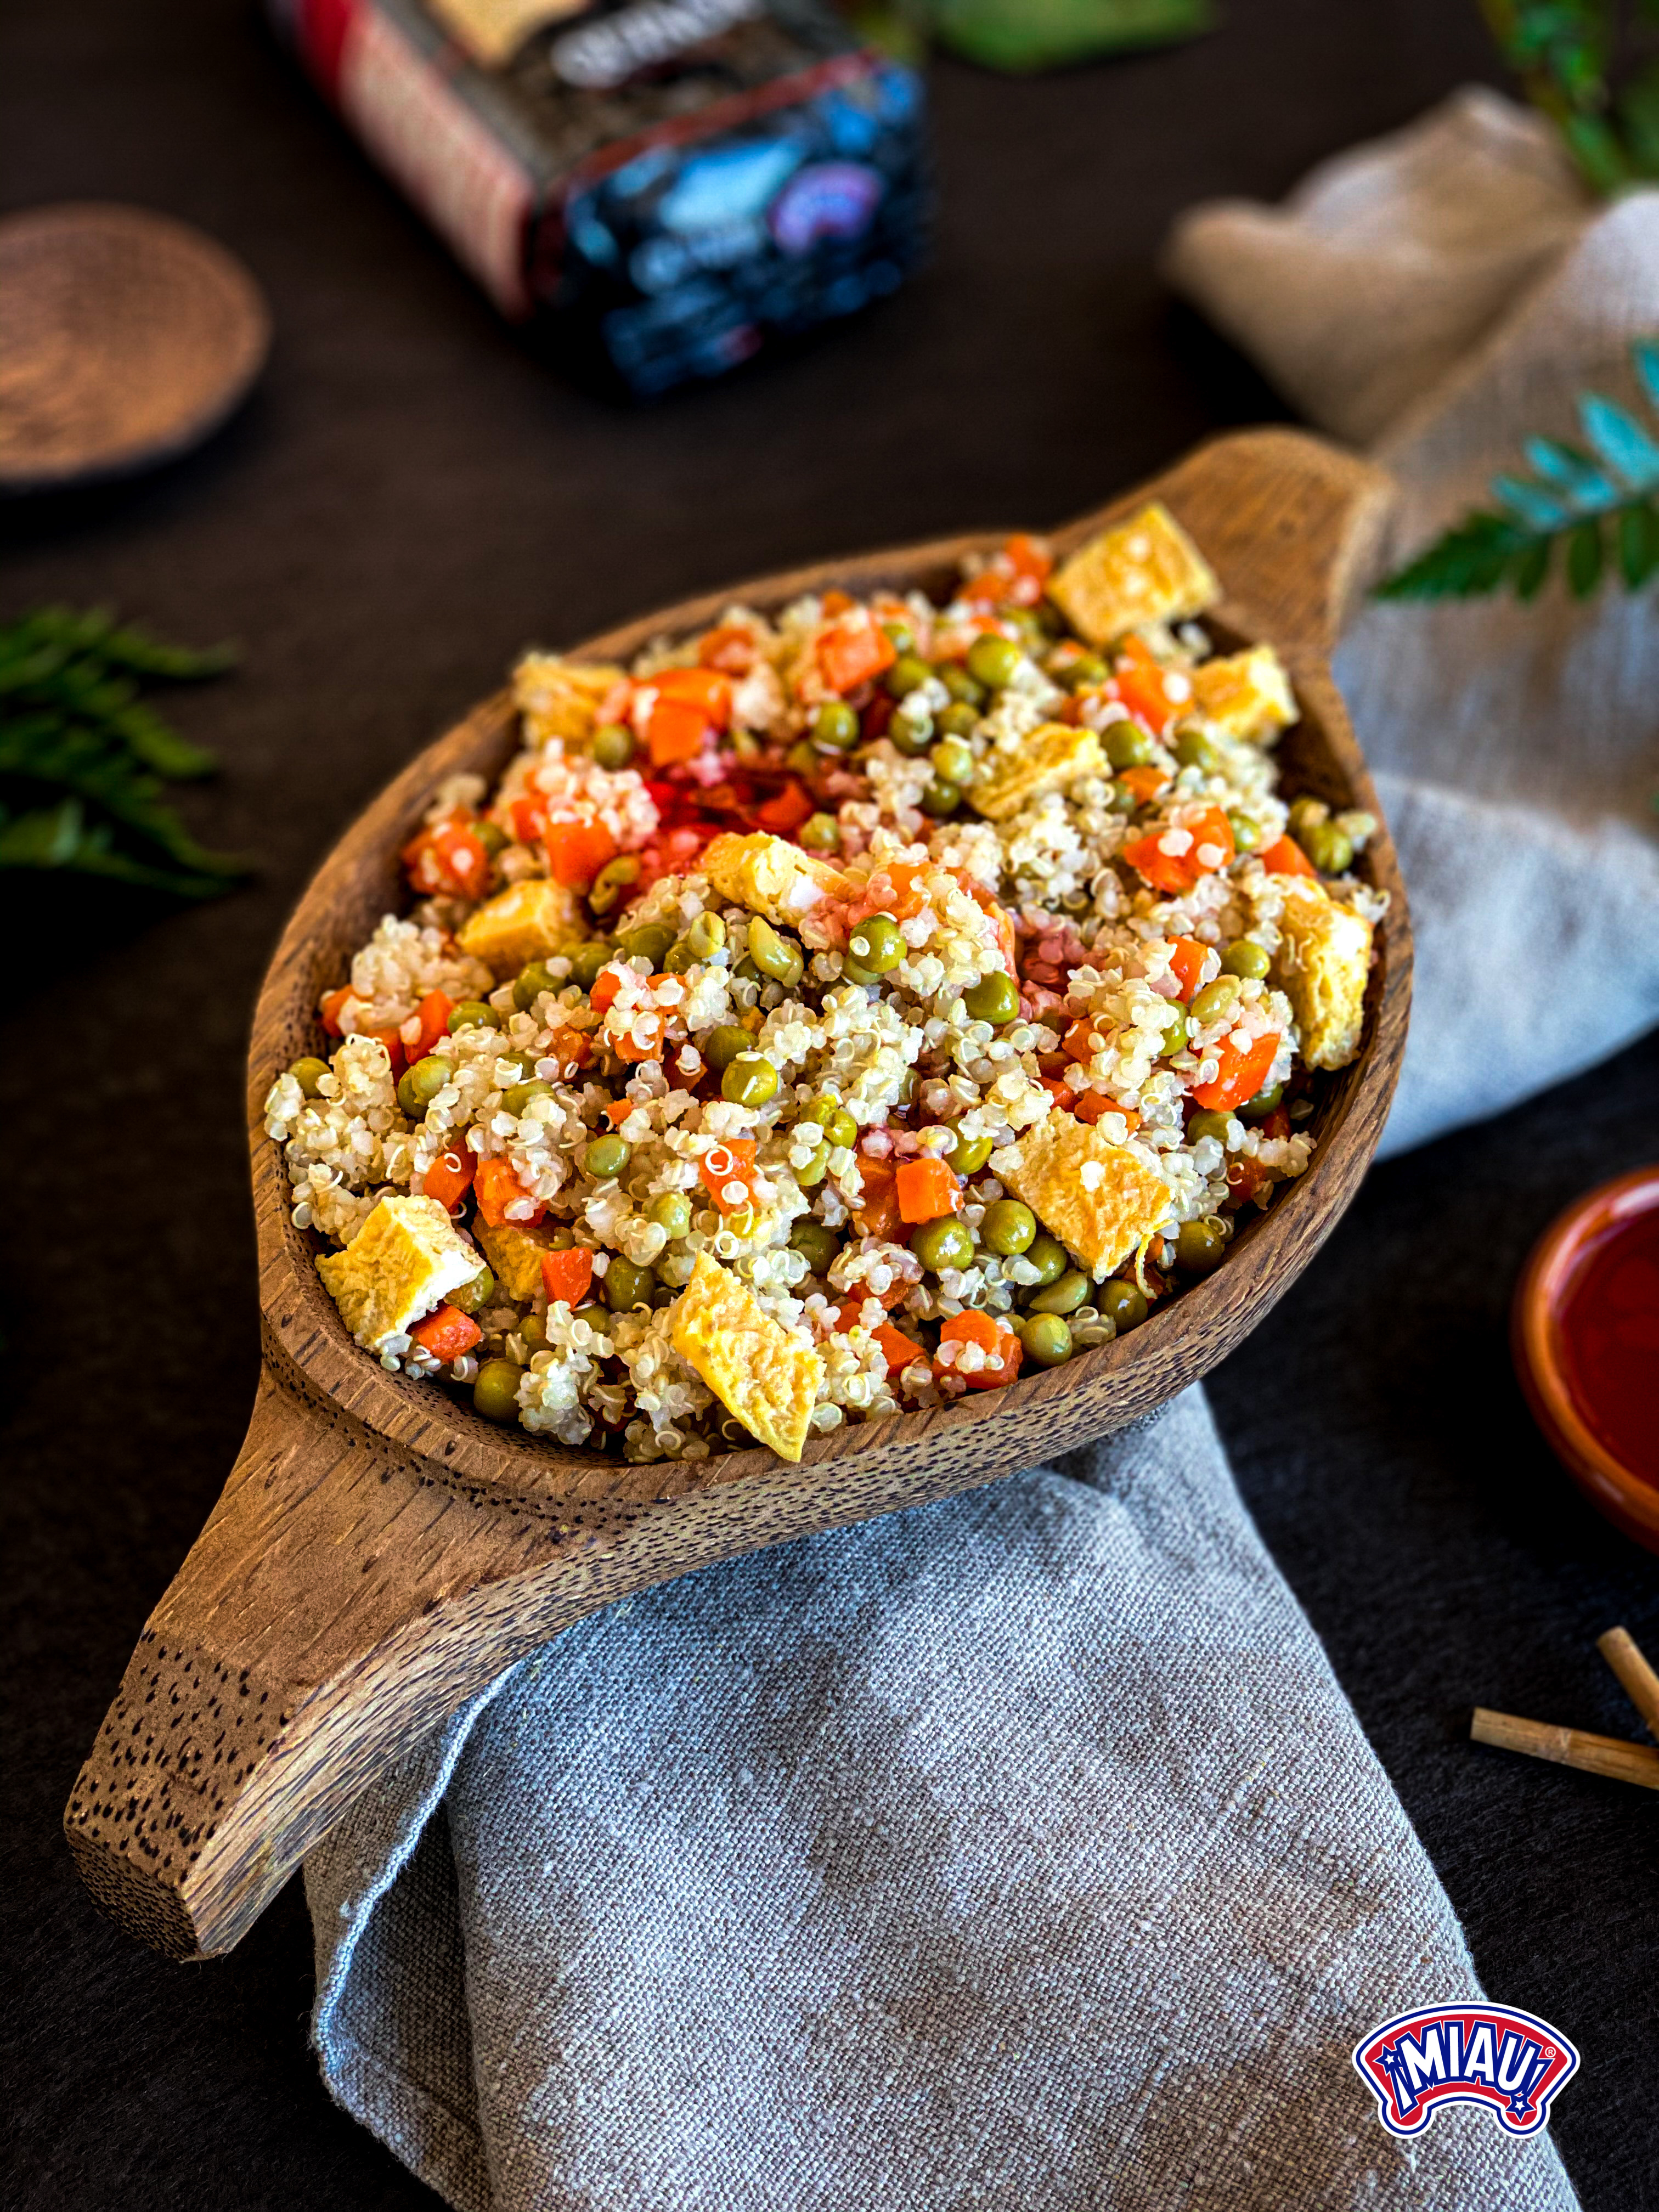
380,1552
1628,1500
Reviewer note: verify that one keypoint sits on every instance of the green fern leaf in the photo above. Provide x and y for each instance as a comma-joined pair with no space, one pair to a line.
1620,441
1531,567
1574,474
1638,546
1586,554
1532,506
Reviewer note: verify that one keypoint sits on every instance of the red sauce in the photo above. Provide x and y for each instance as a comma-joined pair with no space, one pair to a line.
1610,1341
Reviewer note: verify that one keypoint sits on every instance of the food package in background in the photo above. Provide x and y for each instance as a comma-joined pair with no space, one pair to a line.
660,187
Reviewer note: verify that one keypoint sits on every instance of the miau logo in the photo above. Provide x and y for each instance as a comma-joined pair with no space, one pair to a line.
1510,2062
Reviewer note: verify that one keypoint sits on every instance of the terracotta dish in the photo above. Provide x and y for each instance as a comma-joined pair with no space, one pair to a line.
380,1551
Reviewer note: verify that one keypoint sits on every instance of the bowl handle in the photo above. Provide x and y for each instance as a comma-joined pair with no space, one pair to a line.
336,1607
1299,517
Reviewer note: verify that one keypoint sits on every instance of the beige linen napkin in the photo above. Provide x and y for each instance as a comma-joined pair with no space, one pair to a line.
1445,293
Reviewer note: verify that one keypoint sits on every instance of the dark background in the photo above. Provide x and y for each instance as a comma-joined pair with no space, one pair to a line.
407,502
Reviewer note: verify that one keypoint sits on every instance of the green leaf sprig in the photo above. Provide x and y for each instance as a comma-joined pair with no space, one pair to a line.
84,760
1592,66
1595,505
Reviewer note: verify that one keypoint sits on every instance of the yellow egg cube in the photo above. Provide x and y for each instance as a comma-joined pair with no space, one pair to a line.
402,1265
762,1372
1323,960
1098,1198
527,921
1052,755
1248,694
1144,570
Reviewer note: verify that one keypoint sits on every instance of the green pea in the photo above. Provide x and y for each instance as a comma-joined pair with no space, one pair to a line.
821,833
1245,957
992,660
900,635
1120,799
836,725
963,690
1199,1247
957,720
750,1080
908,674
1330,849
491,836
913,738
671,1210
1246,835
678,958
596,1317
946,1243
994,998
308,1073
839,1129
422,1084
1214,1001
1306,814
495,1393
940,799
1122,1304
627,1286
969,1155
648,942
612,881
1266,1102
1193,749
721,1046
587,961
613,745
1009,1227
853,971
706,934
777,957
953,761
1063,1296
1127,745
803,758
816,1168
476,1294
1207,1123
607,1157
906,1087
1174,1039
1088,668
816,1244
518,1098
521,1066
877,943
532,1331
746,972
529,984
472,1014
1046,1340
1048,1257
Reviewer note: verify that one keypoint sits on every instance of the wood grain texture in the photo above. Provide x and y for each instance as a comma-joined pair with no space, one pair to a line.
128,338
380,1553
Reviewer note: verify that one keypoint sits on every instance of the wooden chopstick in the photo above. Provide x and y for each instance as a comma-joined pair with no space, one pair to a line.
1623,1655
1594,1754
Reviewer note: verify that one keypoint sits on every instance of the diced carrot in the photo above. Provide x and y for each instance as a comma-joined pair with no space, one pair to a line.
1285,857
729,646
1187,963
603,996
899,1350
616,1111
1061,1093
449,1178
434,1012
394,1046
876,1211
907,901
1241,1074
1209,831
1014,577
1140,686
705,689
644,1037
495,1188
530,819
1092,1104
1144,783
571,1049
724,1167
785,814
576,851
332,1003
446,1334
566,1275
988,904
448,856
1080,1042
853,650
836,603
676,730
926,1187
1003,1349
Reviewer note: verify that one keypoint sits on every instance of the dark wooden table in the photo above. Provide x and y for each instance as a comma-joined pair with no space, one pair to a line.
408,500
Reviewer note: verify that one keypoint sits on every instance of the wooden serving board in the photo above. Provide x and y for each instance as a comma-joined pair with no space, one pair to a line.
380,1552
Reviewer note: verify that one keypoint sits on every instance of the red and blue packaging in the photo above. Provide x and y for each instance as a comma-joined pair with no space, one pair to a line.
659,189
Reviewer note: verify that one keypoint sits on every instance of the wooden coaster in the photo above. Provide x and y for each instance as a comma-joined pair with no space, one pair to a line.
127,338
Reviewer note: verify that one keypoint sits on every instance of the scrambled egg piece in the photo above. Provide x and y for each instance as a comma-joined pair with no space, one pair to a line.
403,1263
1248,694
1322,963
758,1370
1052,755
525,923
560,698
1144,570
1098,1199
514,1251
771,876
